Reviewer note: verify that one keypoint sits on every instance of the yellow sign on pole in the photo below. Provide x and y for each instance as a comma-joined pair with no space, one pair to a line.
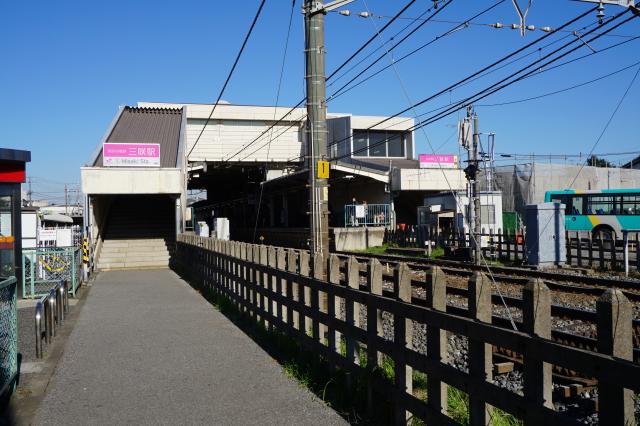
323,169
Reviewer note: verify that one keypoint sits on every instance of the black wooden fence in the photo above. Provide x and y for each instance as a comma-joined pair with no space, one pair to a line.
282,289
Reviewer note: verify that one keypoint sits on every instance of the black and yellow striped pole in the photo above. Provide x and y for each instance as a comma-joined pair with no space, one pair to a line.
85,258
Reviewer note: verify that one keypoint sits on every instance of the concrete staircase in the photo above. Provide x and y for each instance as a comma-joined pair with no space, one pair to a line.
140,233
135,254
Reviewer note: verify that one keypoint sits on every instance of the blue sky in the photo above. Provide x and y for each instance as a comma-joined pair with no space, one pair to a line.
68,65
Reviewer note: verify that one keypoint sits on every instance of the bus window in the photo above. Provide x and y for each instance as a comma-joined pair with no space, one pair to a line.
631,204
563,199
602,205
577,205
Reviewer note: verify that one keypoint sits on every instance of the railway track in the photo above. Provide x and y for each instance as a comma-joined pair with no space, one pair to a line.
569,283
582,286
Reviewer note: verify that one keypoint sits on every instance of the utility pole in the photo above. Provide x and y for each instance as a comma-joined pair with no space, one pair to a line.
471,173
66,200
29,195
476,191
316,125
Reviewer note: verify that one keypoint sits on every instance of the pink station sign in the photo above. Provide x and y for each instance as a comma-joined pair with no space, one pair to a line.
131,154
431,161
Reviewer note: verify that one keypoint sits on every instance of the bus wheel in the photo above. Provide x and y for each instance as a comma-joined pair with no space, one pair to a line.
606,235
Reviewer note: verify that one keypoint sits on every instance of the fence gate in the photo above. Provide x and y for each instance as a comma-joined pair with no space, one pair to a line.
8,335
44,267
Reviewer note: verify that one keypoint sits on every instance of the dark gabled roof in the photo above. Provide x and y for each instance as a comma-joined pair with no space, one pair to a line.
631,163
149,125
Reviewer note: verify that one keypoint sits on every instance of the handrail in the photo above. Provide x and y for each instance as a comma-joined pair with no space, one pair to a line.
53,307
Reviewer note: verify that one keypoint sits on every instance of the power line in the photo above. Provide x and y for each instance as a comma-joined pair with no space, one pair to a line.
328,78
566,89
611,117
233,67
472,234
488,67
342,90
499,85
284,58
491,89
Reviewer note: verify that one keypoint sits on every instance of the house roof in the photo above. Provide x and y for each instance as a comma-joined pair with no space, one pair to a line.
633,162
148,125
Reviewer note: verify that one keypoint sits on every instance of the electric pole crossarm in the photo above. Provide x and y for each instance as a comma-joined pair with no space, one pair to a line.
318,7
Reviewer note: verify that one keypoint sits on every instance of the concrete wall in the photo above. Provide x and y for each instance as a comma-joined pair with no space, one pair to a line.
349,239
121,180
524,184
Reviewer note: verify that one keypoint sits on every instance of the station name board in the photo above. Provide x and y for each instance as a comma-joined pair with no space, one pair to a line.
131,154
436,161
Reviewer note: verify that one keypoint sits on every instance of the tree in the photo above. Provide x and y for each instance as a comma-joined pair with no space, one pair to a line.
598,162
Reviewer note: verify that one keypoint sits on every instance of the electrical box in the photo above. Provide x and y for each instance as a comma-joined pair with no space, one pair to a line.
203,229
221,228
545,235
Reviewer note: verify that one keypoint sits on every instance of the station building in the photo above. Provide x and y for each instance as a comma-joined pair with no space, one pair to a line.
248,160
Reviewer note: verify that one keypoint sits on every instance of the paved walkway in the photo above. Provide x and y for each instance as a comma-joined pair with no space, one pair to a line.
147,349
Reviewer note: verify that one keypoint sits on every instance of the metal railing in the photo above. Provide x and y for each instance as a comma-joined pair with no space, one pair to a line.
367,215
46,266
51,311
8,335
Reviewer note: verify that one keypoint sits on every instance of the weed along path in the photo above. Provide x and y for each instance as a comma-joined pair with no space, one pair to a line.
148,349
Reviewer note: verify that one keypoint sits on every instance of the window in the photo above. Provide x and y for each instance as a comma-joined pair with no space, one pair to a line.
577,205
488,214
360,144
563,199
631,204
378,143
603,204
395,145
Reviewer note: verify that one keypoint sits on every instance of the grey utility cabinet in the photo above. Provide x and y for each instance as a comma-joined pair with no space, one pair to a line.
545,235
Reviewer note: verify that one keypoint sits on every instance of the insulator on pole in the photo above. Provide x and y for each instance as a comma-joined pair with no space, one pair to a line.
345,12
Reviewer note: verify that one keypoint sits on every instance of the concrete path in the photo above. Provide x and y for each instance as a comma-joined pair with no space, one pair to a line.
148,349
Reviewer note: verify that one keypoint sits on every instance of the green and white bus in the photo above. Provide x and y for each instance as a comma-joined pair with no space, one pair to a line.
604,213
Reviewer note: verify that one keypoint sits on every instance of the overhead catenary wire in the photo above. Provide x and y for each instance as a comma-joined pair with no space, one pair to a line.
275,109
487,91
604,130
454,85
342,90
229,75
556,92
340,67
476,244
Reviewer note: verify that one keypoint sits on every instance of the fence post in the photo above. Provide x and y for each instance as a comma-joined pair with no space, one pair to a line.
263,283
293,317
333,338
257,279
508,247
480,353
403,338
579,253
243,276
281,284
437,339
601,251
614,313
536,315
304,294
272,285
318,330
352,312
614,252
374,327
